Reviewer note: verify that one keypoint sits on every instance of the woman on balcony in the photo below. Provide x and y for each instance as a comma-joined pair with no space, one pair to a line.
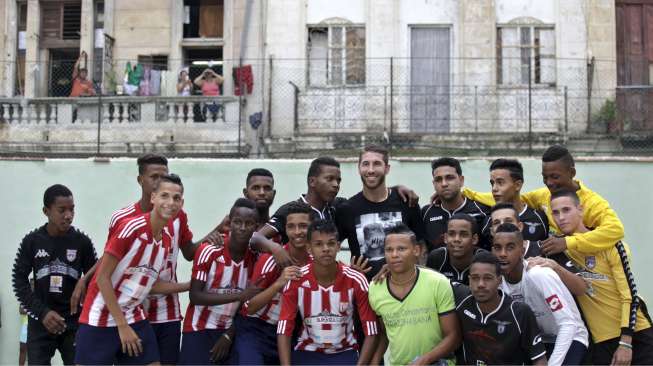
209,81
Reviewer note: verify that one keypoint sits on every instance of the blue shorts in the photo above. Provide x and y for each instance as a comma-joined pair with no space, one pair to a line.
318,358
196,348
168,336
101,345
256,342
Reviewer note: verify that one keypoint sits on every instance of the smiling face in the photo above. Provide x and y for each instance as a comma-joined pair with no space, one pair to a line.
324,248
401,253
61,213
504,188
509,249
484,281
567,214
167,200
558,175
372,169
260,189
459,238
297,229
447,183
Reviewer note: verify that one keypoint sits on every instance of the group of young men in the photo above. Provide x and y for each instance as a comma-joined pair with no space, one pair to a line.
472,278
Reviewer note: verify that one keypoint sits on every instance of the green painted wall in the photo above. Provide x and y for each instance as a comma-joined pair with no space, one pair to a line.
213,185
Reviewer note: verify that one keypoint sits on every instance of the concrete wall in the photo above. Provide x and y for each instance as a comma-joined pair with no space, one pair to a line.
4,57
602,45
141,27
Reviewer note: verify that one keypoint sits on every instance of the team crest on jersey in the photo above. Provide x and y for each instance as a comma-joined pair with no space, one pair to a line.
590,262
343,307
71,254
501,326
532,226
554,303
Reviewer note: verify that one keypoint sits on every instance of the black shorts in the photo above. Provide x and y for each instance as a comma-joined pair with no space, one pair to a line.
642,349
41,344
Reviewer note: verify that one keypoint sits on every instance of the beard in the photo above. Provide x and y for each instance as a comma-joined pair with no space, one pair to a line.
380,181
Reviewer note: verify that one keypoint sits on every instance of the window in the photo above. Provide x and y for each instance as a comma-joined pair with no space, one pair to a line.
524,48
99,14
72,21
336,55
203,18
22,16
61,21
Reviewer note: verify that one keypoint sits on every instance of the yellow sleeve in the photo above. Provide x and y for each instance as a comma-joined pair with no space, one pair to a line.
537,198
607,228
485,198
618,261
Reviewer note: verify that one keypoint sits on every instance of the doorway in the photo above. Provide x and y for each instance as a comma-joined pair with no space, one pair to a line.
430,79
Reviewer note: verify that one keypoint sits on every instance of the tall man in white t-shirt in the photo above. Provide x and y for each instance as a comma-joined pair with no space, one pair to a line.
563,331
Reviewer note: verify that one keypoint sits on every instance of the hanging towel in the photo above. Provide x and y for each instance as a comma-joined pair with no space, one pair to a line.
243,75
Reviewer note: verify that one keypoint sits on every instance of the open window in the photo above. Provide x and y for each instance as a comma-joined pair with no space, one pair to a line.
60,24
21,47
203,18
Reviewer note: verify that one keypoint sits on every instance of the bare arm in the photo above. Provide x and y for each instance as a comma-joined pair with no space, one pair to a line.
283,346
198,80
261,243
166,288
200,297
381,346
259,301
367,351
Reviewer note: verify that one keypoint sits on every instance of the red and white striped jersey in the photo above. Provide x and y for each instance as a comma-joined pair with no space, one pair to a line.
161,308
327,313
266,272
221,275
140,260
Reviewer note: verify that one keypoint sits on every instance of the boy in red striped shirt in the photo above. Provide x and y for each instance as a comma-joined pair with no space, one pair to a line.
218,287
326,296
113,326
256,343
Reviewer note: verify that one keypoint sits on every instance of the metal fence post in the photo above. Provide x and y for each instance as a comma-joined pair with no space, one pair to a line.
390,135
240,103
530,120
269,132
99,121
476,108
566,111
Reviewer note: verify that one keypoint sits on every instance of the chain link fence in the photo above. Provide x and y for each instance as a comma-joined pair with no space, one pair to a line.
465,100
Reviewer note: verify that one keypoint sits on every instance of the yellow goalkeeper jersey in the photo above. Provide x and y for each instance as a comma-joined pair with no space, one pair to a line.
611,305
597,214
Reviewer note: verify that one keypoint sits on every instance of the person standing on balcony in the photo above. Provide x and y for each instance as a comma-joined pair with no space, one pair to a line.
82,87
209,81
184,85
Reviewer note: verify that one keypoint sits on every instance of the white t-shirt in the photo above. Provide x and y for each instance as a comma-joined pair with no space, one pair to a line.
553,306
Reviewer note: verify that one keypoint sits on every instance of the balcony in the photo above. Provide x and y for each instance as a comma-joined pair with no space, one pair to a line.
129,125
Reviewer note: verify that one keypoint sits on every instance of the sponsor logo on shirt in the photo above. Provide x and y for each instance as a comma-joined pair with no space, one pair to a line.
475,214
436,218
71,254
41,253
554,303
469,314
590,262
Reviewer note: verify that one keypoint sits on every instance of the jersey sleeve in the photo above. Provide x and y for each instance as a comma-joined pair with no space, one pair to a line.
185,235
288,312
118,245
608,229
444,299
537,198
620,266
367,316
435,259
545,220
265,271
485,198
559,300
531,337
278,220
28,300
204,256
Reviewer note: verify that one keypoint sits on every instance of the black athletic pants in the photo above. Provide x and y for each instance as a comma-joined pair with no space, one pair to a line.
642,349
41,344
